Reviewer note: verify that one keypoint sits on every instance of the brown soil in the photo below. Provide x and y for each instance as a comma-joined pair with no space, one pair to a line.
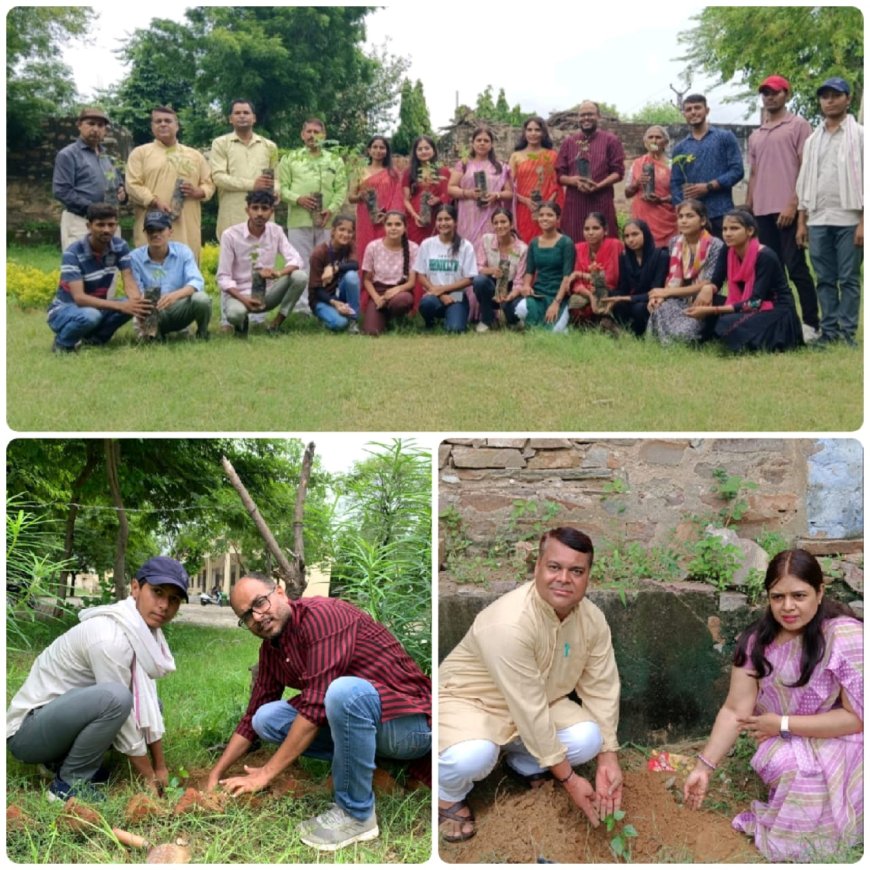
517,825
168,853
142,806
79,817
17,819
193,801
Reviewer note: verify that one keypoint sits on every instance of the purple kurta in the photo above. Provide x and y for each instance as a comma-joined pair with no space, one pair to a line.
816,803
606,155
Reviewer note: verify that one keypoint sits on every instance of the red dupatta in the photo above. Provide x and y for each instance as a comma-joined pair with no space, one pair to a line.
743,272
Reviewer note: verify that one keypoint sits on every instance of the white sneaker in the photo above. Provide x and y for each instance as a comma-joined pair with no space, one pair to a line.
335,829
481,327
810,334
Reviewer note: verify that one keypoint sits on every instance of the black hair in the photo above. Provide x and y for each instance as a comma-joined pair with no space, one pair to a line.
260,196
694,98
316,121
341,218
414,165
546,141
99,211
745,218
570,537
236,101
491,156
805,567
451,210
598,216
389,158
406,249
699,208
168,109
504,210
551,204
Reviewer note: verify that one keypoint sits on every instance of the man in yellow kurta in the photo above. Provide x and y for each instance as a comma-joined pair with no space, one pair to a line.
505,688
239,161
152,173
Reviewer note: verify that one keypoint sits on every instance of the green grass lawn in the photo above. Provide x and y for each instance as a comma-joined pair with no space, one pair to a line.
306,379
203,701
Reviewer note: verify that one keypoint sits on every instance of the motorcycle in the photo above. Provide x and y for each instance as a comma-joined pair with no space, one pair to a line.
218,600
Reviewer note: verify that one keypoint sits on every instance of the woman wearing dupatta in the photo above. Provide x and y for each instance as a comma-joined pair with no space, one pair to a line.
596,258
692,273
533,174
380,177
797,689
759,312
424,178
649,187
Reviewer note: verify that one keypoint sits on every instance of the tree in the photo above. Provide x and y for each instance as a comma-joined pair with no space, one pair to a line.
497,111
37,83
806,44
663,112
413,117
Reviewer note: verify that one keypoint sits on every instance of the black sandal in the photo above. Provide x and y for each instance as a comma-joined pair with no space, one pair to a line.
532,780
451,814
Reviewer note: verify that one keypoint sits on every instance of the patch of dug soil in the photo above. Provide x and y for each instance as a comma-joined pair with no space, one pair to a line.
78,818
523,826
142,806
17,819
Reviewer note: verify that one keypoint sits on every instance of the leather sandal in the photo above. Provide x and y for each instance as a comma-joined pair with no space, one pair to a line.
451,814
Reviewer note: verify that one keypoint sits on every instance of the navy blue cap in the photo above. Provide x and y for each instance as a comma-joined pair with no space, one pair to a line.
157,220
835,84
162,569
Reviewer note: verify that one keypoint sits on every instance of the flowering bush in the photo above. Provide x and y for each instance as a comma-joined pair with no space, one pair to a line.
29,286
208,263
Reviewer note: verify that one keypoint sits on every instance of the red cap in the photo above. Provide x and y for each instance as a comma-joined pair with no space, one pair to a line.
776,83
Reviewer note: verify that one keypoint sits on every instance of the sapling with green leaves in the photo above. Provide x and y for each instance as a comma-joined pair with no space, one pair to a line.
620,844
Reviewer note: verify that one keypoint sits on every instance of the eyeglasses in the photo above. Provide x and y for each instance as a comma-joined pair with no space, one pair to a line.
259,605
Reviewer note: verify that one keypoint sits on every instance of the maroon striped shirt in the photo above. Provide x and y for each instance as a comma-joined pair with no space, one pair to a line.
324,639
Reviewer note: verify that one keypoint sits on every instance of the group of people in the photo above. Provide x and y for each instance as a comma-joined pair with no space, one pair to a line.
535,683
532,241
360,696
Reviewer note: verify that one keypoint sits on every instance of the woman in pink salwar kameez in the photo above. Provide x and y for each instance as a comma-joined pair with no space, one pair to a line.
797,688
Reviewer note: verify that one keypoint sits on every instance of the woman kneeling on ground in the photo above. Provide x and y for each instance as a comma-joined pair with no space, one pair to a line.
797,688
387,275
333,281
549,262
501,265
759,312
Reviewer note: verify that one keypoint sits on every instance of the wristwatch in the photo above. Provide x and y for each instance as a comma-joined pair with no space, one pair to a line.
783,728
710,186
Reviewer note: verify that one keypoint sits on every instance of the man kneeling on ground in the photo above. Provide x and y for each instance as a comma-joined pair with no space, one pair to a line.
171,267
80,310
505,688
94,688
248,253
361,695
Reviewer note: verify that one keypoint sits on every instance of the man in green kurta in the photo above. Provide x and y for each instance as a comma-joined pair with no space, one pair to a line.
169,177
505,687
314,186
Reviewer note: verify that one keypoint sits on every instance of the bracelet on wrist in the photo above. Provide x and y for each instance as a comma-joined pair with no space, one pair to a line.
706,762
563,781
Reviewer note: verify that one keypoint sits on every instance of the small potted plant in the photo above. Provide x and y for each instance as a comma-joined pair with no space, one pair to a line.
581,161
427,175
258,282
501,284
480,186
176,203
648,180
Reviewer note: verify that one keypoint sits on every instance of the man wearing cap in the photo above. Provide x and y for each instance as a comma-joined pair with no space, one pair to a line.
706,164
84,174
165,175
171,267
774,162
360,695
81,309
830,192
251,249
94,688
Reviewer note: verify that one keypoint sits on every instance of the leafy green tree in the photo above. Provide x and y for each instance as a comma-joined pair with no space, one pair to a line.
806,44
413,117
37,83
662,112
497,111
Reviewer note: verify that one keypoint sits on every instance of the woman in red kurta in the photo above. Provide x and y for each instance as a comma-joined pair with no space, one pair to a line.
596,267
533,171
649,188
424,178
378,191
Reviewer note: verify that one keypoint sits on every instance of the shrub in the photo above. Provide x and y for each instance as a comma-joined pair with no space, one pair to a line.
208,263
31,287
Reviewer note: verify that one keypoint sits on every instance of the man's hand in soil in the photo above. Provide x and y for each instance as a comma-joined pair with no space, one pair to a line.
584,797
608,783
255,780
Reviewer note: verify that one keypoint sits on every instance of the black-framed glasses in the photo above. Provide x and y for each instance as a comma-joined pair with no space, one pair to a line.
261,604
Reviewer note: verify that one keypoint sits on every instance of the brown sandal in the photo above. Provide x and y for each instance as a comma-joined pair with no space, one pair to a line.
451,814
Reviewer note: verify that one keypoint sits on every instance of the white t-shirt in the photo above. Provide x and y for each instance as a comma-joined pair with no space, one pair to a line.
441,266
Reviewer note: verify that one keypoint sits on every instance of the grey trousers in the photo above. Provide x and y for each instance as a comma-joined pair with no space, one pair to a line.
74,730
283,294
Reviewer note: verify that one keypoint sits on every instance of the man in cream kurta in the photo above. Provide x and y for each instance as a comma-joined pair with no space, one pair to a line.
152,173
505,688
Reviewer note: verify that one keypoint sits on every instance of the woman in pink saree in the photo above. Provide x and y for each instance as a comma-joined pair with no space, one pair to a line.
797,688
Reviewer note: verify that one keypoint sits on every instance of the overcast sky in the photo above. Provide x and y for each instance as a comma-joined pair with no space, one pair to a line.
622,55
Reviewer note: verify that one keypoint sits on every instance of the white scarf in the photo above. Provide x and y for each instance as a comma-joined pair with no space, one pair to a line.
151,660
850,168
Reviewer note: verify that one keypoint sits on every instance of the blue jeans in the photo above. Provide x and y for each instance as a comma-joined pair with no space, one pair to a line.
837,261
73,323
353,737
455,315
348,291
